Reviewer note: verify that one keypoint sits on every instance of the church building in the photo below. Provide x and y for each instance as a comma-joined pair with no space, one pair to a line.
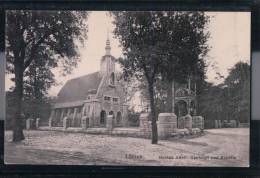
94,96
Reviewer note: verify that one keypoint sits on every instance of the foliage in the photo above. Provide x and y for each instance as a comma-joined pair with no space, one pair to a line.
141,36
185,46
185,50
30,108
238,84
162,46
45,40
130,85
229,100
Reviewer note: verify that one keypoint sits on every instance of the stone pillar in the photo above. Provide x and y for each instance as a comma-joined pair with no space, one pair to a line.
188,122
84,122
181,122
216,124
29,123
37,123
219,124
145,127
62,113
91,120
233,123
51,117
109,123
68,116
74,116
56,119
167,124
65,123
198,122
124,114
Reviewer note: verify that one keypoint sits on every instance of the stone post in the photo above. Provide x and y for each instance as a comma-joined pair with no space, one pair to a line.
216,124
219,124
181,122
62,114
29,123
51,117
84,122
74,117
167,124
198,122
125,122
188,122
109,123
65,123
37,123
233,123
145,128
50,122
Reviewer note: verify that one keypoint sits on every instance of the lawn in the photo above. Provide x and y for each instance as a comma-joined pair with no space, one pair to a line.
217,147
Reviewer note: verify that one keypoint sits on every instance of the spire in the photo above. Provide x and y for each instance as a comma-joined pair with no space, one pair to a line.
108,48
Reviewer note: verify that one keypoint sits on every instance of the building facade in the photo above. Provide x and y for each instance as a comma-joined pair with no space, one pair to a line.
94,96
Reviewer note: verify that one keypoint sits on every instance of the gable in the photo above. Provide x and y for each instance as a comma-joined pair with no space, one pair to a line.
106,89
77,89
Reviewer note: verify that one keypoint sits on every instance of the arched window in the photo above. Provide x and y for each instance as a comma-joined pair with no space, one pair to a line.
118,118
103,118
112,79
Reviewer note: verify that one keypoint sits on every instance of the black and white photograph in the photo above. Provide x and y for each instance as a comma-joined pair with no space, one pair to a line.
127,88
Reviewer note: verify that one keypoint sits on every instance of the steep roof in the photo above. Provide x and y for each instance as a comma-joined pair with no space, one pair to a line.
76,89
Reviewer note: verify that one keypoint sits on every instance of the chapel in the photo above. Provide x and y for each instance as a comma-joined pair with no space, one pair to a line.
94,96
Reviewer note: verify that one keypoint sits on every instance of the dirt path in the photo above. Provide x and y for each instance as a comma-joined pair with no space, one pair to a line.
218,147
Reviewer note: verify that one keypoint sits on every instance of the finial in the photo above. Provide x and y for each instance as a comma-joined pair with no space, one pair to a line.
108,48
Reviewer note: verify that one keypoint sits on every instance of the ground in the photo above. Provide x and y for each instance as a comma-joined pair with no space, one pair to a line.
217,147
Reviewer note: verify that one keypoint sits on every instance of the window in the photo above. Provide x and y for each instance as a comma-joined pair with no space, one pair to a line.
107,98
115,100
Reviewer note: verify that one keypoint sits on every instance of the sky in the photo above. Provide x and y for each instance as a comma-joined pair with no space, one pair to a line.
230,43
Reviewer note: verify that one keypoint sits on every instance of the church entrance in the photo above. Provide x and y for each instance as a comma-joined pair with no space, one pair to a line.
103,118
181,108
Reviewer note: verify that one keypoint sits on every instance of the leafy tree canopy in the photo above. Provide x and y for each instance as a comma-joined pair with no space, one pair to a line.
51,36
36,42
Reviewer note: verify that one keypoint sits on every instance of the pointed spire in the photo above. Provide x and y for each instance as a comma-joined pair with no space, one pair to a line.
108,48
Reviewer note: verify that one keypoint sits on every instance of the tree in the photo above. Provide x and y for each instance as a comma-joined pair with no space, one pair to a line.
32,35
129,84
238,84
184,50
230,99
38,79
140,34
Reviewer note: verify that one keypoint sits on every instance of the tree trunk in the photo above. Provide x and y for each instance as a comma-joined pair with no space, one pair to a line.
18,92
170,97
153,114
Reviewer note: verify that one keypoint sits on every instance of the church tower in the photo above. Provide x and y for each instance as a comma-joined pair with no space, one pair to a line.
107,64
